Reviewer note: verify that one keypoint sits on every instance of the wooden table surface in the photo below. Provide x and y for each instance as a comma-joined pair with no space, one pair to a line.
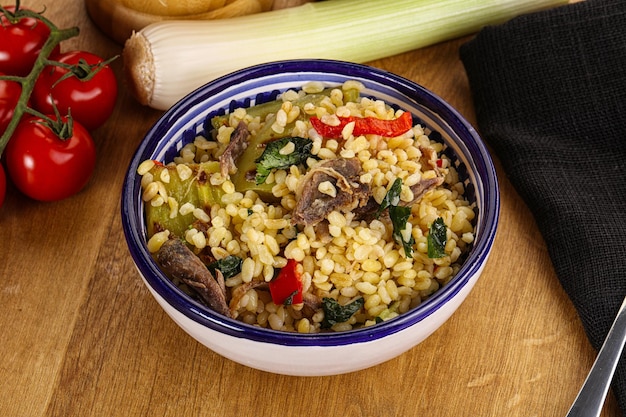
81,335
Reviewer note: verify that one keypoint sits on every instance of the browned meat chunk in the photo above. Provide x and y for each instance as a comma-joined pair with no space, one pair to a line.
238,143
240,291
368,211
312,304
428,158
179,262
313,205
421,188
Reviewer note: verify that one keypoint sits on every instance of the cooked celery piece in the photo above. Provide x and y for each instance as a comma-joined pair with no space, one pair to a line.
351,94
196,190
244,178
271,107
261,110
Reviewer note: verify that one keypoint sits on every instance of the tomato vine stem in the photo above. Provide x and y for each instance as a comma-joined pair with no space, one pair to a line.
57,35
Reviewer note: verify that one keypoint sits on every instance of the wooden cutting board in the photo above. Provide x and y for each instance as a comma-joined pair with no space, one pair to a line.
119,18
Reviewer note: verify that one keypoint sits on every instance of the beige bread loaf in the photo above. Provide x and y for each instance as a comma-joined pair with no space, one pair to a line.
173,8
119,18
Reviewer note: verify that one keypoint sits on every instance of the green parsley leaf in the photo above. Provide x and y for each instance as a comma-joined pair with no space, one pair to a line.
336,313
272,159
289,300
228,266
437,238
399,217
392,198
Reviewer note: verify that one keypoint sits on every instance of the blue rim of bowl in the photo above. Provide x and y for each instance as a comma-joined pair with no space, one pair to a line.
132,214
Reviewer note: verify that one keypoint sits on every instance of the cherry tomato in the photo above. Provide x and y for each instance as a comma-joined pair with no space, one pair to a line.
91,100
20,43
3,185
45,167
9,96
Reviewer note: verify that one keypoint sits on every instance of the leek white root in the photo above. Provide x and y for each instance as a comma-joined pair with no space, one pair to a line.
167,60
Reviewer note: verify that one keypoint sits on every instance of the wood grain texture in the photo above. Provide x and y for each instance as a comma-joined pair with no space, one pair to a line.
81,335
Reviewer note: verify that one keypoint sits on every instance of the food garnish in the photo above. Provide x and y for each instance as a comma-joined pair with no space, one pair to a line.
437,238
336,313
282,153
402,229
399,216
228,266
392,198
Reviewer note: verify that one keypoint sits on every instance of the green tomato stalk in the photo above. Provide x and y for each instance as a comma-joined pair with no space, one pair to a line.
27,82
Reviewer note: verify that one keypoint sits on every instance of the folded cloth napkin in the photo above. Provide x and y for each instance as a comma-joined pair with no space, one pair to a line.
549,90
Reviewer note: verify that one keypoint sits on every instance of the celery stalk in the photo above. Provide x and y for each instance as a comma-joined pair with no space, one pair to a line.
168,59
196,190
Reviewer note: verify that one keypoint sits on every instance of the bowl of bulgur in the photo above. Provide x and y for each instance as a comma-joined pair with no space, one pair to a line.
310,217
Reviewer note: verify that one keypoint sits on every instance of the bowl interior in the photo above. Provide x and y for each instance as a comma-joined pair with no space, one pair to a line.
188,118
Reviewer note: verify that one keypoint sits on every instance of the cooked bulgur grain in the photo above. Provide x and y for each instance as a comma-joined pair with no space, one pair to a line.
347,256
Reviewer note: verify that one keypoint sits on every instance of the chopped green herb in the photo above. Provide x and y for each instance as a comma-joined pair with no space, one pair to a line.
437,238
289,300
392,198
271,158
229,266
336,313
399,217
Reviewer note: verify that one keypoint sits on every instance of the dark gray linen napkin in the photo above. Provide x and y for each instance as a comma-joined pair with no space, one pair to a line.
549,90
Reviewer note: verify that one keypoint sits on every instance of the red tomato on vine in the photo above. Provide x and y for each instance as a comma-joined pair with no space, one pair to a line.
9,96
50,160
20,43
88,89
3,185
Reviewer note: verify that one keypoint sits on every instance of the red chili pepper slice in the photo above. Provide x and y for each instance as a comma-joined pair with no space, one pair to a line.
286,288
365,126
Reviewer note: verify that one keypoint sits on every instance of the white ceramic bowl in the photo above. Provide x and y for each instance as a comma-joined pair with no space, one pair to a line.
326,353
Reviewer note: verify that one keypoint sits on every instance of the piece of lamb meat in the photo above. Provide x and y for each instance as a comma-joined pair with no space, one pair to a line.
313,206
239,141
368,211
179,262
240,291
421,188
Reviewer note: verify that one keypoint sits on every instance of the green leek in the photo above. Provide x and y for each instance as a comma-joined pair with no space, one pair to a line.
166,60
